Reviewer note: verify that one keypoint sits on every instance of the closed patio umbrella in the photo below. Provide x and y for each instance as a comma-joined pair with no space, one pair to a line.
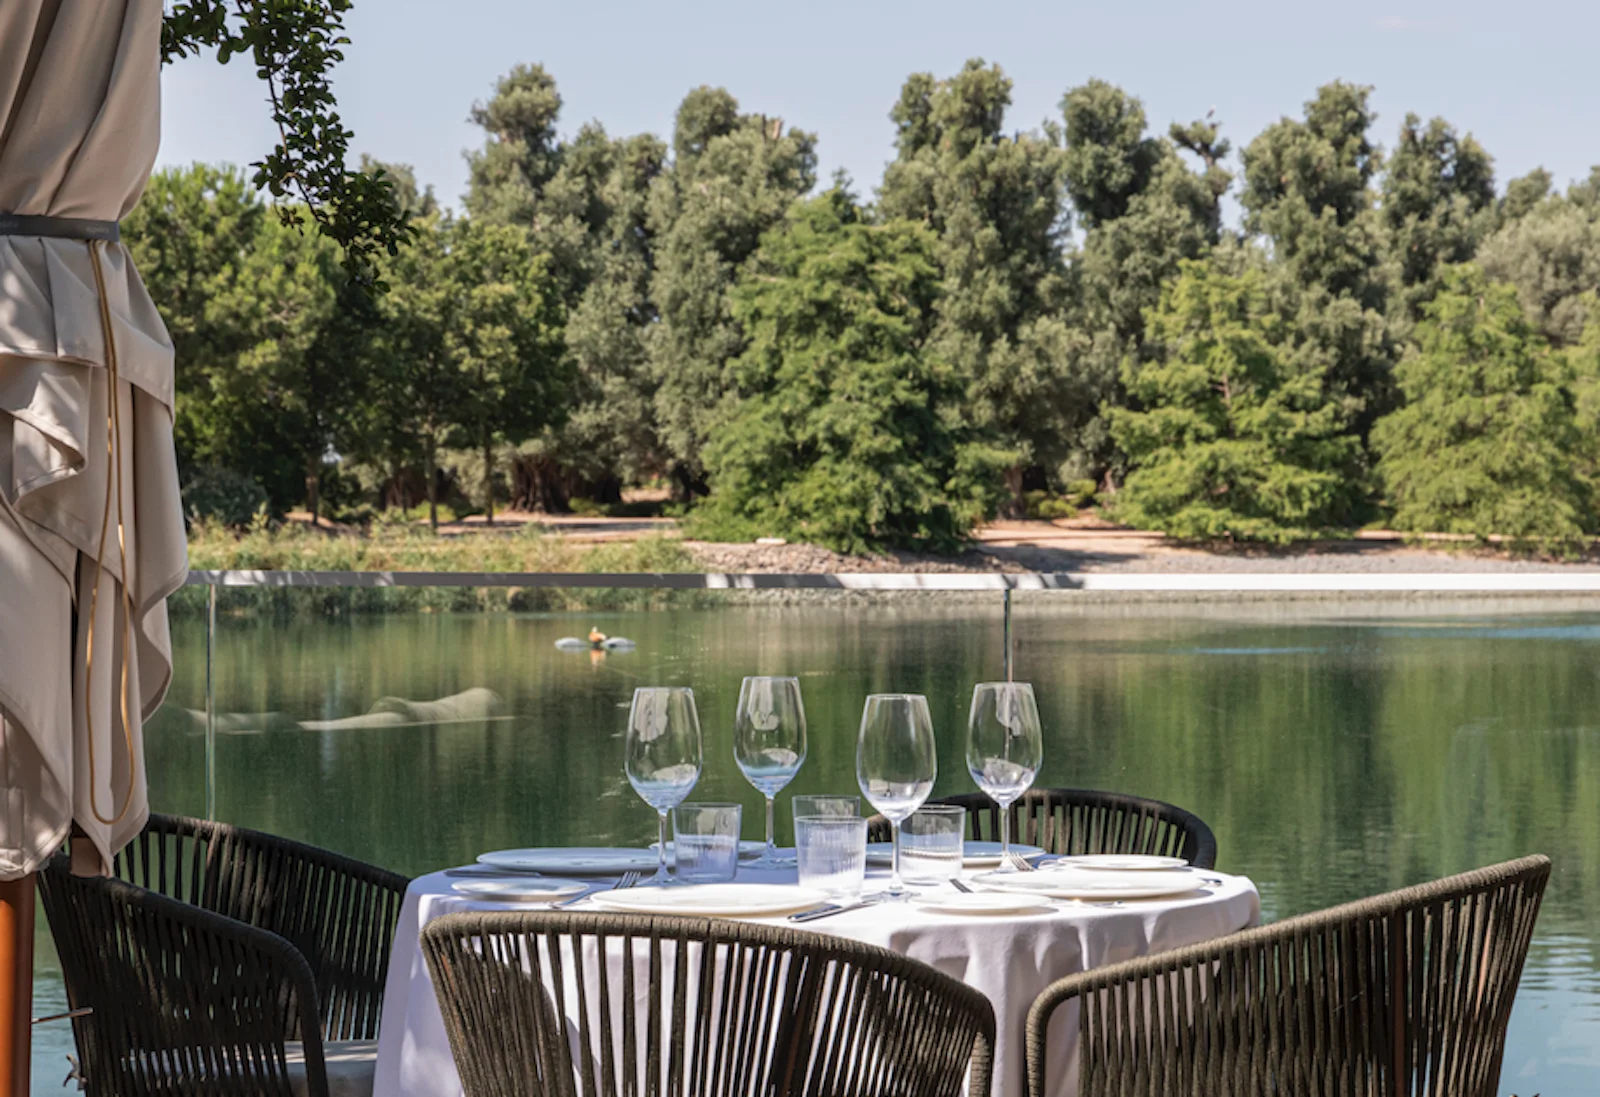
91,526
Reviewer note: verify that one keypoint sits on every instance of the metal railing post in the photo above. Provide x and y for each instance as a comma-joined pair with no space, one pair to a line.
1010,663
211,703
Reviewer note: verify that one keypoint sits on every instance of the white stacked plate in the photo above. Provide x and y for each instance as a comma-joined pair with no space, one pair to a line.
534,889
748,850
973,854
712,900
574,860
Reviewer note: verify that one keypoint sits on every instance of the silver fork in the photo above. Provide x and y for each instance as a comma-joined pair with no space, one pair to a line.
627,880
1017,862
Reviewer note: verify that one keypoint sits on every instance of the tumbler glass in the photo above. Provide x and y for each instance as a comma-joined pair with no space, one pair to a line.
831,853
931,844
705,842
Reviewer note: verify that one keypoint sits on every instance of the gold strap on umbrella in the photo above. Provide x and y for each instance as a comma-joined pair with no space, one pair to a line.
114,447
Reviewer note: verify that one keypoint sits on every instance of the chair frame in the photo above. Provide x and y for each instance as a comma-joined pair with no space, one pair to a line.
340,913
185,1001
1075,820
1378,996
492,972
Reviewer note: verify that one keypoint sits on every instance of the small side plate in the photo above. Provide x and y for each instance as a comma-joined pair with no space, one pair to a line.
1122,862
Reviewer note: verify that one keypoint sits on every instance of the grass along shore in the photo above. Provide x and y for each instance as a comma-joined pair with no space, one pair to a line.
393,546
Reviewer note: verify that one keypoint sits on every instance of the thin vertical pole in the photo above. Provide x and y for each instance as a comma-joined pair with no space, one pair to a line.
16,982
211,702
1010,664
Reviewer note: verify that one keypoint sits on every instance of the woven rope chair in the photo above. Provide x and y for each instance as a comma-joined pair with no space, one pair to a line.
1407,993
709,1008
186,1002
338,912
1074,821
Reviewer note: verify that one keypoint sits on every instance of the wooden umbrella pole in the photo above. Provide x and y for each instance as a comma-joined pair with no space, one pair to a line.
16,982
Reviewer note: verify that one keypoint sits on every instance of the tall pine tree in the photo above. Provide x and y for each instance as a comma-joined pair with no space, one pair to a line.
1308,194
1143,211
995,203
1437,206
732,177
584,203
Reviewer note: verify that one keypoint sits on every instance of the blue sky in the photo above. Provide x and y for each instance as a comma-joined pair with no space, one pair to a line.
1520,78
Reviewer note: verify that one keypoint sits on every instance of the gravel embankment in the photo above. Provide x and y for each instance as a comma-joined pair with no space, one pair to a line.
1107,552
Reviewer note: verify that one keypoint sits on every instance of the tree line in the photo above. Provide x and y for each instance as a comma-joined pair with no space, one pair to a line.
1013,321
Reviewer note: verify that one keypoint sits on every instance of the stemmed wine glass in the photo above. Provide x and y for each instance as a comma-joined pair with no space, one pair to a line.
663,754
1004,749
769,744
896,763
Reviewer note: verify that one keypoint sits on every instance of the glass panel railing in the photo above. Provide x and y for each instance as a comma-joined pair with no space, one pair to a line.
1338,747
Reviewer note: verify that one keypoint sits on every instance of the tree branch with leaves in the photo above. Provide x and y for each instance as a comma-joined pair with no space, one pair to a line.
294,45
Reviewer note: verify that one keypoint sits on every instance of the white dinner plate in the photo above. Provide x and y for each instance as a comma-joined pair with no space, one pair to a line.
973,854
982,902
747,850
1123,862
1081,883
537,889
578,860
712,900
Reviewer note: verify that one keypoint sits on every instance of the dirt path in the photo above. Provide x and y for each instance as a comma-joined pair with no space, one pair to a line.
1092,546
1075,545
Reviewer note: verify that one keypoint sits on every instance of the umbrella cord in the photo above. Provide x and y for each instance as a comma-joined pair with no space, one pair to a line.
114,445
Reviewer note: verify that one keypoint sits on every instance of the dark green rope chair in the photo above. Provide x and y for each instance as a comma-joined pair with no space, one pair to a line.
699,1006
186,884
339,913
185,1001
1075,820
1401,995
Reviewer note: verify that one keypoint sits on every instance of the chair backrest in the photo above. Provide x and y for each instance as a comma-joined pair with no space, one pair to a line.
1407,993
184,1001
339,912
1077,820
553,1003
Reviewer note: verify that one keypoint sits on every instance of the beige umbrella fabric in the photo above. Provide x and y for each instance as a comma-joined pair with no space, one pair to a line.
91,525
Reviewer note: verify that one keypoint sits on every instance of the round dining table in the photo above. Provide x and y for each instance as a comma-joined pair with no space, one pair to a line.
1011,958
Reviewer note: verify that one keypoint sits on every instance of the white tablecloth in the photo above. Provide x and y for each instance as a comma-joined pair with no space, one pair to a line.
1010,958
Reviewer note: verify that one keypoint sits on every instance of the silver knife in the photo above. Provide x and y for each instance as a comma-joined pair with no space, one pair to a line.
828,910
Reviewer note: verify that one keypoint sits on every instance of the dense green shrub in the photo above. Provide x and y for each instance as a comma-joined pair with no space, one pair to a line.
221,495
1231,440
845,429
1488,442
1047,507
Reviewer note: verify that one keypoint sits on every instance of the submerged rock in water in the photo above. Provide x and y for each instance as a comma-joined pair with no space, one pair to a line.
468,706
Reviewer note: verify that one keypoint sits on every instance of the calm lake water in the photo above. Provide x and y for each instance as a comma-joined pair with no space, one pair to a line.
1337,750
